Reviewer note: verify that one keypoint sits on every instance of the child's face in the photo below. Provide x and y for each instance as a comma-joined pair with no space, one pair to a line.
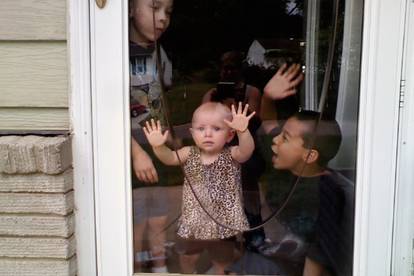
209,131
141,12
288,147
230,72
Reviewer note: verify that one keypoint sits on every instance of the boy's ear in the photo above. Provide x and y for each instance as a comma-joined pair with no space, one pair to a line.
230,136
311,156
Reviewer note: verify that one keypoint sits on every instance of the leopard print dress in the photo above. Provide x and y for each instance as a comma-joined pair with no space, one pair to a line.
218,188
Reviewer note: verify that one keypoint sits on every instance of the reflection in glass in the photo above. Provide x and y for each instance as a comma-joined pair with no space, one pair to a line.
226,52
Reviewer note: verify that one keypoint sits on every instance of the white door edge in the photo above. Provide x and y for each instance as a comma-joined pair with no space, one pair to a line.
404,211
81,128
111,133
378,136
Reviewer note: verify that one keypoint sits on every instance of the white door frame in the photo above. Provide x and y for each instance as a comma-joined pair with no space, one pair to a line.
81,122
110,160
378,135
404,211
101,136
111,132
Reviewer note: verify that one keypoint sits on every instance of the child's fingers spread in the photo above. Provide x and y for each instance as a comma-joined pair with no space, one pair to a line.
290,92
240,108
291,69
154,126
251,115
281,70
297,79
148,126
146,132
294,73
246,107
227,122
165,136
233,110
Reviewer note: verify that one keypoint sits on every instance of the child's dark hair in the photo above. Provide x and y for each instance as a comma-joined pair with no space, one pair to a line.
234,58
326,139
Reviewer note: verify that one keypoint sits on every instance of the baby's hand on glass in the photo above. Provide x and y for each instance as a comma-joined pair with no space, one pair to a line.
240,119
153,132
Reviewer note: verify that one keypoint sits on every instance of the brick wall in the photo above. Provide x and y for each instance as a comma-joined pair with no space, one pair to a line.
36,206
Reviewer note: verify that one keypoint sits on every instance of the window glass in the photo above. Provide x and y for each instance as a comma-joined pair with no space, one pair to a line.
266,189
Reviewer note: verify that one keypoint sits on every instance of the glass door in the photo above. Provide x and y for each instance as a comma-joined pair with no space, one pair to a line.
216,207
267,212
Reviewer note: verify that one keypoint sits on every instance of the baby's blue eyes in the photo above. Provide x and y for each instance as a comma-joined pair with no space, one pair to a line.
214,128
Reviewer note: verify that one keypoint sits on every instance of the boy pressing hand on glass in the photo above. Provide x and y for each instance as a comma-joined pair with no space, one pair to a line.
212,172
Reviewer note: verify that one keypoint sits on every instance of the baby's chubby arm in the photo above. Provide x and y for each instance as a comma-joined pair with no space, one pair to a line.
239,123
157,140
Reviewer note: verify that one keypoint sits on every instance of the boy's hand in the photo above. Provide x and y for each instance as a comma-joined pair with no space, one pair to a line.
283,83
144,168
154,134
240,119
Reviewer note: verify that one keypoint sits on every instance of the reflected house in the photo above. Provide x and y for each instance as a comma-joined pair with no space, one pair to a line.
265,56
272,53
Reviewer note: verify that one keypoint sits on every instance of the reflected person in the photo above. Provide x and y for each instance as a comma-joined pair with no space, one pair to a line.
231,89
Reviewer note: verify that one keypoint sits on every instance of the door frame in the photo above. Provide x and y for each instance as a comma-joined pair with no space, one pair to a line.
82,136
403,247
382,52
102,133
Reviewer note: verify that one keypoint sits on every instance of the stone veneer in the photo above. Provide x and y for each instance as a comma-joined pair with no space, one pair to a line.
36,206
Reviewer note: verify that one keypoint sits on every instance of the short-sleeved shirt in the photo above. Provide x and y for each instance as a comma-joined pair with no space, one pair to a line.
145,103
145,91
335,225
320,213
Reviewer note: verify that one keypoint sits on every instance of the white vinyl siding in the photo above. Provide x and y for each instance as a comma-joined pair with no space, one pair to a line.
34,66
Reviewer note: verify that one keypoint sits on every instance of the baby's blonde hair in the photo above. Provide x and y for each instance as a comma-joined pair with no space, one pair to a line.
214,107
